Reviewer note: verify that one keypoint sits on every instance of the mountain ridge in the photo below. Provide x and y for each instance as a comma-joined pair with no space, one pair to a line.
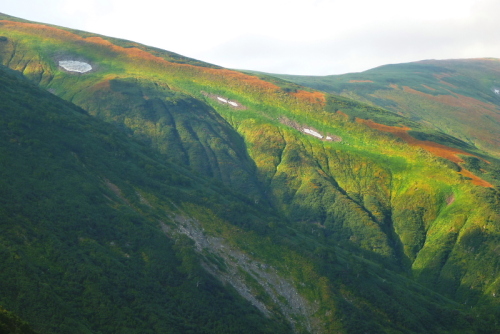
460,91
357,226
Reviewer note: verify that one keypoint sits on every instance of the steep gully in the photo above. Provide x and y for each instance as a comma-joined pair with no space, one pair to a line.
239,270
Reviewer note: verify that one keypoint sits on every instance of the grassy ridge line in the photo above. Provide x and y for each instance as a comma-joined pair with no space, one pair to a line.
237,81
167,55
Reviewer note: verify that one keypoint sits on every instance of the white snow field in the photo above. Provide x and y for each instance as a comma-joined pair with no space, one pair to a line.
313,133
75,66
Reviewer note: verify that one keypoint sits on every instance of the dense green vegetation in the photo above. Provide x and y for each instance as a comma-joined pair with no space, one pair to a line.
371,232
10,323
456,97
79,255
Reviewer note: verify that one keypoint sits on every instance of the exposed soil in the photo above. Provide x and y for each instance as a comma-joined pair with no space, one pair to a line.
243,273
117,191
450,199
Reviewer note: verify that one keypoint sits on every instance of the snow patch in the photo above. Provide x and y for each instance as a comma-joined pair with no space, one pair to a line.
313,133
75,66
497,91
234,104
220,99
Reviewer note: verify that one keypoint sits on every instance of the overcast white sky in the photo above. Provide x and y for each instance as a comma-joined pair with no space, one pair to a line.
316,37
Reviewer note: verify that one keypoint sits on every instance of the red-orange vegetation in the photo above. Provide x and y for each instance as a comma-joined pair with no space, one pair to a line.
341,113
383,127
131,52
103,84
475,180
38,28
444,75
354,81
455,100
238,76
310,97
430,88
224,74
138,54
439,150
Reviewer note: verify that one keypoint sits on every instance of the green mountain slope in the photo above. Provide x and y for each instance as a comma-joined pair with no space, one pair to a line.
81,245
457,97
174,180
10,323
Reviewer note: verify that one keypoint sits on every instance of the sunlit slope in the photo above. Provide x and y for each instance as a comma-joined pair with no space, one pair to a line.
458,97
361,189
94,240
82,246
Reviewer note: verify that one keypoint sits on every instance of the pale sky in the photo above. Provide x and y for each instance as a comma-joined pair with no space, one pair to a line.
315,37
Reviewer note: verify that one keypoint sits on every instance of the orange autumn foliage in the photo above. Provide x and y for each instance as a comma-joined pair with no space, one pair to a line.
343,114
455,100
444,75
429,88
310,97
138,54
475,179
239,79
432,147
34,27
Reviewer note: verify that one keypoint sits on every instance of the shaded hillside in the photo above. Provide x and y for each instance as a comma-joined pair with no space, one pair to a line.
12,324
81,241
458,97
275,198
84,211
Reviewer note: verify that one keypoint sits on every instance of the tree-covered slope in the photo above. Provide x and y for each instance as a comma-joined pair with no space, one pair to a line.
84,211
81,244
10,323
457,97
325,214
